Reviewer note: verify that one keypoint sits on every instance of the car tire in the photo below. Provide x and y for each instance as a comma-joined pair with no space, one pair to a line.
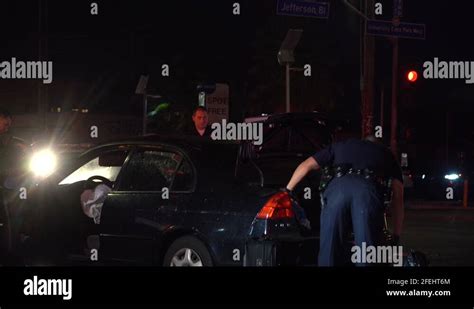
187,251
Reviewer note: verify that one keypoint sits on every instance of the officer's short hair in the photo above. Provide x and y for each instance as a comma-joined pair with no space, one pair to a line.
5,113
199,108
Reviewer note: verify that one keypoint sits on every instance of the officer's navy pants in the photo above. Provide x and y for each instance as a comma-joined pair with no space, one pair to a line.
351,202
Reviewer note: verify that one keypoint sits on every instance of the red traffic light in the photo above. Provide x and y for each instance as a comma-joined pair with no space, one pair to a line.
412,76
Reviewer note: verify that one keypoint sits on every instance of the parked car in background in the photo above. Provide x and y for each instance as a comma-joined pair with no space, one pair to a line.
434,178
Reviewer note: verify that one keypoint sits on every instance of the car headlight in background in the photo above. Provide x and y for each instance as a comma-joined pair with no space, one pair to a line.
452,176
43,163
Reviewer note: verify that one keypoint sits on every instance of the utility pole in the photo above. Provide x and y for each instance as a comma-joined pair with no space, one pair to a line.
367,50
367,86
418,32
397,12
394,109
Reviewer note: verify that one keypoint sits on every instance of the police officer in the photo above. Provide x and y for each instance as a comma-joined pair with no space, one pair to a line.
353,197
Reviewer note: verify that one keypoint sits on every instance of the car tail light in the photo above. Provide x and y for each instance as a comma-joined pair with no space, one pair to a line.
277,207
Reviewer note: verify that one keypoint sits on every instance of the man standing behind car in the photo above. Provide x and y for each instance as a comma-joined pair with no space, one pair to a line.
354,196
200,125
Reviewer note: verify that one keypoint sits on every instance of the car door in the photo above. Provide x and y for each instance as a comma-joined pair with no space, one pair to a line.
57,220
155,181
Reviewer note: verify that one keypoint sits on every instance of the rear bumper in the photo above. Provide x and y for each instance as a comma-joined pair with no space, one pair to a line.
268,253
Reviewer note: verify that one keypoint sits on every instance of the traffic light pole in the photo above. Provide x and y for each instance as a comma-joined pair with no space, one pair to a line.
368,75
394,110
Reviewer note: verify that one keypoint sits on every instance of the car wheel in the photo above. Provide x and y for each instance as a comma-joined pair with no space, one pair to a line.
187,251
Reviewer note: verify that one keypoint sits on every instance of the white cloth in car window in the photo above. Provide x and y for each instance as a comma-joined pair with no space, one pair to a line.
92,201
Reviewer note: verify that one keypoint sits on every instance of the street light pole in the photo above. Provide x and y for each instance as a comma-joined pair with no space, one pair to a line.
285,57
141,89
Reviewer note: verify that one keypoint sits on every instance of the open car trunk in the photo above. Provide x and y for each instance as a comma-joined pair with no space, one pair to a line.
288,140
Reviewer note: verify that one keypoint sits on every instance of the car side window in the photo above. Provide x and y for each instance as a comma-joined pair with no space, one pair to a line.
149,170
107,164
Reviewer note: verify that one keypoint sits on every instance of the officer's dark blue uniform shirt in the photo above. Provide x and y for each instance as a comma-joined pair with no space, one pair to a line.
360,155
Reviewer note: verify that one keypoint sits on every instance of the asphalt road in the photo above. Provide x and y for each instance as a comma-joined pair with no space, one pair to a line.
445,233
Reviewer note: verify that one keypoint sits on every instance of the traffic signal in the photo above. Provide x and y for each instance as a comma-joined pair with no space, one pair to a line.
409,76
412,76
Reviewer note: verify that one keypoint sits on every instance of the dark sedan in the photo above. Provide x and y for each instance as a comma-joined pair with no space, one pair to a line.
179,202
171,203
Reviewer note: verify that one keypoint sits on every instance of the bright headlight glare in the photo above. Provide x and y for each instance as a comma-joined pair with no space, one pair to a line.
43,163
452,176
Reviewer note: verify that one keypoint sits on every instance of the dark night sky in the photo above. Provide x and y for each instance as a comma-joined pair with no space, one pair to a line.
98,59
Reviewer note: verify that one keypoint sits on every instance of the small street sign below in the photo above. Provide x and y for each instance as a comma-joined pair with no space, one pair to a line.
402,30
